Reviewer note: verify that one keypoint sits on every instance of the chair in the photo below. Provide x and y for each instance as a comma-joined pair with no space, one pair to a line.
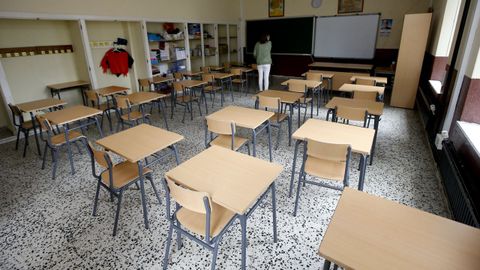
346,113
126,115
315,76
144,85
301,87
227,66
278,118
239,79
178,76
324,160
371,96
116,179
199,215
361,81
55,141
206,69
226,138
212,88
93,99
22,126
186,99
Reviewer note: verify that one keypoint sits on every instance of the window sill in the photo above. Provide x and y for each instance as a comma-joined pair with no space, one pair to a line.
436,86
472,133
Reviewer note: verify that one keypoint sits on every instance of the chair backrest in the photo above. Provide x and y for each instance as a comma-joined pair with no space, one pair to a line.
269,102
44,126
254,66
297,86
92,98
314,76
365,81
101,157
123,102
16,113
351,113
177,87
221,127
210,78
227,65
372,96
236,71
328,151
190,199
178,76
144,84
206,69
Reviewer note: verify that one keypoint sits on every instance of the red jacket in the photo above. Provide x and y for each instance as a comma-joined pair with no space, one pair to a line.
116,61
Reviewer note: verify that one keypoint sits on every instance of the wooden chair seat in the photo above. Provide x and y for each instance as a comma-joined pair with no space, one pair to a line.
123,173
27,124
135,115
325,169
279,116
305,101
211,88
59,139
185,99
226,142
195,221
103,107
240,81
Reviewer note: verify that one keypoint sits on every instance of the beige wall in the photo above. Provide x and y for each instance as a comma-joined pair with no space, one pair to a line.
186,10
445,13
390,9
28,76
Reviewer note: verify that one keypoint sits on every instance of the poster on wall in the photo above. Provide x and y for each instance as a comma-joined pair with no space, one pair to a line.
350,6
386,27
276,8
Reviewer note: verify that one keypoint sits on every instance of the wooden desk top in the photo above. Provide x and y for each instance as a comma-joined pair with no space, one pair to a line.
71,114
349,87
67,85
243,69
111,90
324,74
39,105
380,80
191,83
243,117
216,68
359,138
341,65
190,73
144,97
233,180
285,96
221,76
369,232
139,142
373,107
158,79
309,83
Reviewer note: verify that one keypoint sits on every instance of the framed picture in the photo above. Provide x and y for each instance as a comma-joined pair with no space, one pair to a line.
350,6
276,8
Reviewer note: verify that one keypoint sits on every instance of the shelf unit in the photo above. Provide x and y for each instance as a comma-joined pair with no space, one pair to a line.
210,44
223,44
233,32
167,52
195,45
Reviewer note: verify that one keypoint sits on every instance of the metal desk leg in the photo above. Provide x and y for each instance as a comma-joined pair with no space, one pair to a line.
363,168
318,100
297,143
35,133
274,212
230,87
100,131
142,193
269,140
69,148
254,143
375,126
299,116
205,99
326,265
163,111
243,224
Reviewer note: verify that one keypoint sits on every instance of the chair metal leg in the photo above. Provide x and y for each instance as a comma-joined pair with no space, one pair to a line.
274,212
55,161
167,246
289,131
18,139
243,224
278,135
248,148
297,143
298,193
326,265
155,190
95,202
26,142
44,156
117,214
214,255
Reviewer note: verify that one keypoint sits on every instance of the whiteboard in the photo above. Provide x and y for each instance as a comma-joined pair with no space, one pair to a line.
353,36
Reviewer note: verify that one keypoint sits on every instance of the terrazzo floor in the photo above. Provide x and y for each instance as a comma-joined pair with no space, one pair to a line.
47,224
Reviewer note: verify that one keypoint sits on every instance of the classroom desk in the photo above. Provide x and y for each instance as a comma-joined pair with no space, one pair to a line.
311,84
55,89
190,73
286,97
253,119
216,68
343,66
141,98
233,180
360,140
159,80
248,72
369,232
382,81
326,76
224,78
138,143
349,87
38,105
373,108
70,115
111,90
193,84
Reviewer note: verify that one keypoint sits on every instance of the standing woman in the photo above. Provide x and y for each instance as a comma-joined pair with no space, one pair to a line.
262,55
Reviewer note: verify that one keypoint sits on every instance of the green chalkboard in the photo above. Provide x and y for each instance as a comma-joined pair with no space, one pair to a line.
289,36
